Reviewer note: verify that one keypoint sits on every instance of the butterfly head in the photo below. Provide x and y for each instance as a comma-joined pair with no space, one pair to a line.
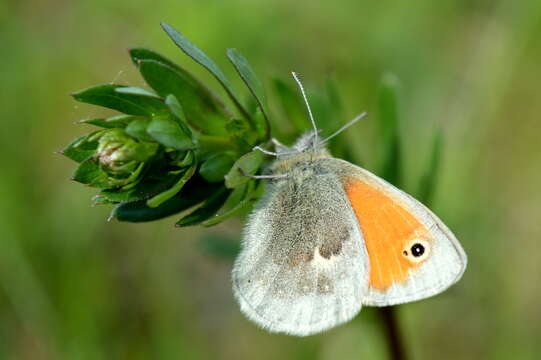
310,141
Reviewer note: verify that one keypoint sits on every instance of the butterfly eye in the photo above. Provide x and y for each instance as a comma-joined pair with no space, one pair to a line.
417,250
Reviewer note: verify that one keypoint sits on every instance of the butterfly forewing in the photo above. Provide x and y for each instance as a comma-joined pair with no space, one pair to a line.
412,254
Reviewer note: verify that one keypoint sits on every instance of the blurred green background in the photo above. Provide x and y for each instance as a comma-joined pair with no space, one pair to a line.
74,286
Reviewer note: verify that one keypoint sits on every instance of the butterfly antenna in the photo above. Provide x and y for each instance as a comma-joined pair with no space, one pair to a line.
301,87
356,119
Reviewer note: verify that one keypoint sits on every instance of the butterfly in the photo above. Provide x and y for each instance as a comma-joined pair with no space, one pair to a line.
329,237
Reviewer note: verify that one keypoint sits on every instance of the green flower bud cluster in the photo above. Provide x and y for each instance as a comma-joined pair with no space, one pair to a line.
177,148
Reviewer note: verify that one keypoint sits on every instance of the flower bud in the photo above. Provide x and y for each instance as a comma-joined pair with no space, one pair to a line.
120,155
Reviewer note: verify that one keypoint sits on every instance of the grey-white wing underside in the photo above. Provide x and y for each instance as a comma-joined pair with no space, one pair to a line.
303,266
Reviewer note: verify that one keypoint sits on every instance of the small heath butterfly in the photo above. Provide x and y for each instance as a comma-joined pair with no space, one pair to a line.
329,237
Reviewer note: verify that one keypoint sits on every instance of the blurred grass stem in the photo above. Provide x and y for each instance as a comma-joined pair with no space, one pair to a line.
393,335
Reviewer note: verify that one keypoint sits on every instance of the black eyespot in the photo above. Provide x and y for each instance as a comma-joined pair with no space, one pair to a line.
417,250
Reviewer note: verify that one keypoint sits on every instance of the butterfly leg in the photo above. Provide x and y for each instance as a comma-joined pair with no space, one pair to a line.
265,151
279,176
272,153
277,143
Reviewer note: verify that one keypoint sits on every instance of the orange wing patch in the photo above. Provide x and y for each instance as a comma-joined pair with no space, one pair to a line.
388,230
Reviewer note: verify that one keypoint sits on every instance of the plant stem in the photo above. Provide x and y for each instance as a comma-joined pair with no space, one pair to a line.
392,333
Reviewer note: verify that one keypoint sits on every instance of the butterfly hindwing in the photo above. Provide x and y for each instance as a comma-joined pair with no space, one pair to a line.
303,267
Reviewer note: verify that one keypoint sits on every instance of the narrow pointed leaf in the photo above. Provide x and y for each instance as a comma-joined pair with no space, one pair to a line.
200,57
99,200
130,103
89,173
139,54
178,113
159,199
185,160
81,149
136,91
102,123
200,106
181,75
119,121
207,210
254,85
176,109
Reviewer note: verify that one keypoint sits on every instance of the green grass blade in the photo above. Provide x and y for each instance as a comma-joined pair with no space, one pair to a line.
390,165
429,179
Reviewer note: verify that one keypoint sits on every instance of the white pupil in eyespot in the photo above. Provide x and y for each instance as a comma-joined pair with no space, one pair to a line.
417,250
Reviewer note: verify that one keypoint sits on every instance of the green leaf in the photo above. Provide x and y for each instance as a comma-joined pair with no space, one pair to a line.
216,167
89,173
180,78
184,159
136,91
150,185
101,123
169,133
138,129
168,194
247,164
429,179
193,193
81,149
202,110
130,103
388,127
100,200
207,210
119,121
200,57
178,113
139,54
256,88
176,109
237,200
